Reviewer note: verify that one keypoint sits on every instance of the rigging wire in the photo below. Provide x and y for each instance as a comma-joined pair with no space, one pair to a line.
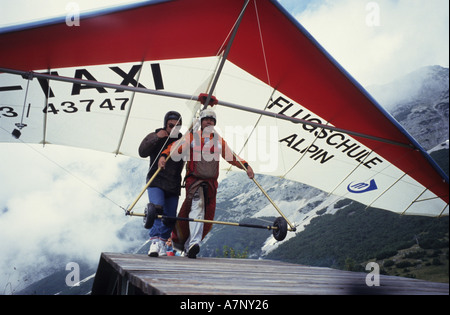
350,173
253,128
268,80
44,129
67,171
21,125
127,117
304,153
262,44
225,54
397,180
222,47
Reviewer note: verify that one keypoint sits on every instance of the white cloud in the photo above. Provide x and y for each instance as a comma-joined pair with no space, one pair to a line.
411,34
24,11
46,211
49,211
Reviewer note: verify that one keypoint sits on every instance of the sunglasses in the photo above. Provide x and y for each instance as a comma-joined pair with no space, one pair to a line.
173,125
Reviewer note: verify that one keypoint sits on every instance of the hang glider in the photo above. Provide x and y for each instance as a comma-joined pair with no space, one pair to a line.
283,103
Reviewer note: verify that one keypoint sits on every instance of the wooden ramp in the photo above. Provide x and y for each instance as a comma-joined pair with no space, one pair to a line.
140,274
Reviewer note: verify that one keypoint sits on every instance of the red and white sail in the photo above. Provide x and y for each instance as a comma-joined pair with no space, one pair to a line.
284,104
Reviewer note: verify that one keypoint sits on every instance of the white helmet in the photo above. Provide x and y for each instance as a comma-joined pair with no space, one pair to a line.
208,113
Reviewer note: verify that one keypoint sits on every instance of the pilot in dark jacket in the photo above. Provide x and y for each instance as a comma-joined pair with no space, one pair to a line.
164,191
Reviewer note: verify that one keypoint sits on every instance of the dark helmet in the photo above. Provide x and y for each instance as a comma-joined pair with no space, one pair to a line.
172,115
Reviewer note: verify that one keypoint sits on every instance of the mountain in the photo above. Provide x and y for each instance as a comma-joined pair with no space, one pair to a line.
408,246
358,235
418,101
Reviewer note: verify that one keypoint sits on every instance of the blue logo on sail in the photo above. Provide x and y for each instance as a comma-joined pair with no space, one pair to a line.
360,188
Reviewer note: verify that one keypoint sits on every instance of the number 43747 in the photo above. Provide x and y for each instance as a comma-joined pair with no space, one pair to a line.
86,105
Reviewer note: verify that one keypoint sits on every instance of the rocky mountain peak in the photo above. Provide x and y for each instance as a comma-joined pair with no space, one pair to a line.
419,101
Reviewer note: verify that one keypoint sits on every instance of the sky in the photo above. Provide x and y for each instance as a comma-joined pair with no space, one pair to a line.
51,200
378,41
375,41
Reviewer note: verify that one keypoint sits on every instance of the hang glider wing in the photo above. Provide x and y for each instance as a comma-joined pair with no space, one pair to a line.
284,104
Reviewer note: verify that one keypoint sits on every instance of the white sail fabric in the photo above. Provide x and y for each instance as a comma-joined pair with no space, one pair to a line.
284,104
115,121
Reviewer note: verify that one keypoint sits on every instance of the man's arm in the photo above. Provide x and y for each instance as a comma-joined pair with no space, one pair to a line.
152,141
235,160
180,146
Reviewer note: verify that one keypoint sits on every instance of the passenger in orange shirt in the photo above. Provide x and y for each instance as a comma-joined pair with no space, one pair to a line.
202,149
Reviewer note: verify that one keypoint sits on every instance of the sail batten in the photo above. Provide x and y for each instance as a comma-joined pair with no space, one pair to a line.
284,103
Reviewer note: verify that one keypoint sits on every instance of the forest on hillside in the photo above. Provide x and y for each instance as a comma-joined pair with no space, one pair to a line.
360,235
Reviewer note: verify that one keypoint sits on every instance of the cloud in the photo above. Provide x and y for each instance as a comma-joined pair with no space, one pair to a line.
53,213
409,35
47,212
23,11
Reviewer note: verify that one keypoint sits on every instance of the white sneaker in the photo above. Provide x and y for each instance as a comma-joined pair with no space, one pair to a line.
162,248
154,248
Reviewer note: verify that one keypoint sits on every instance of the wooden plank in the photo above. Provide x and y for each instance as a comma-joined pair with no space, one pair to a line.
206,276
